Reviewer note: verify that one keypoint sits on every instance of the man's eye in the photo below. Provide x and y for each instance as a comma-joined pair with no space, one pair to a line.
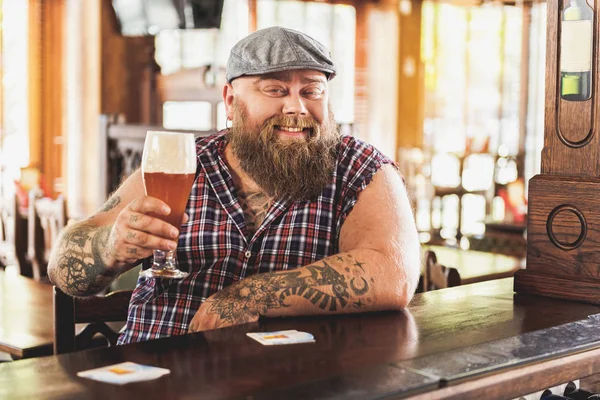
277,91
313,94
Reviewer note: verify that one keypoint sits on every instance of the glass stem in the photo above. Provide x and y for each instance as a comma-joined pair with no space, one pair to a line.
164,260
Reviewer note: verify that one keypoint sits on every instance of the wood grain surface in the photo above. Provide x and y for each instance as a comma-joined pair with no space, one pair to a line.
354,356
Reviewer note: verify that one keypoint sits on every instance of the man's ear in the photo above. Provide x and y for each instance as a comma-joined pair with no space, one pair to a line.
228,97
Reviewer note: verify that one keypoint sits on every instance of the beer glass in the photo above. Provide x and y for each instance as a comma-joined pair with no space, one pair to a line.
168,170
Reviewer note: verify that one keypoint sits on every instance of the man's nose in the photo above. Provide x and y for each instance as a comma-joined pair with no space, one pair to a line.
294,105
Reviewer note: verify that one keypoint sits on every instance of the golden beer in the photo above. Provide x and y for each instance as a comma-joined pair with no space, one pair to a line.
173,189
168,170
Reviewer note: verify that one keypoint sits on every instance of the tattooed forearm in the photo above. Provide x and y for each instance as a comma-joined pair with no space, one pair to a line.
331,289
111,203
255,206
80,268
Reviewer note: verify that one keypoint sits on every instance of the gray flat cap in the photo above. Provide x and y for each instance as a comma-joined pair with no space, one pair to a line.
278,49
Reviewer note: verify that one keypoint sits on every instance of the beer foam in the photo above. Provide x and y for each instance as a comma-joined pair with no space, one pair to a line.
169,152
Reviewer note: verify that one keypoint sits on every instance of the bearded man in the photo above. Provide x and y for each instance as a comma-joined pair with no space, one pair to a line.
285,217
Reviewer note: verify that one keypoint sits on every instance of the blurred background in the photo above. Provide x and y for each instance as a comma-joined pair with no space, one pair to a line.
452,90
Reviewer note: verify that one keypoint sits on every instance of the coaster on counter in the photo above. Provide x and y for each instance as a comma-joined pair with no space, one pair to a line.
123,373
281,337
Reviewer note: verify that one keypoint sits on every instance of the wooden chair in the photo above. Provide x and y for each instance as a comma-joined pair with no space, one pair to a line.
438,276
46,219
13,236
499,238
96,311
7,250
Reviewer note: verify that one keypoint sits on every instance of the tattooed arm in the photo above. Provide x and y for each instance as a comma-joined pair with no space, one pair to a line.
377,268
90,254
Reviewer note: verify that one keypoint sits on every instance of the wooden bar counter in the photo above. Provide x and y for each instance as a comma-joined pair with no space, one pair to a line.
363,356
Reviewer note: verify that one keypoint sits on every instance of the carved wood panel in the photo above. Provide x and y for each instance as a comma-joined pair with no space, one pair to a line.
571,142
563,249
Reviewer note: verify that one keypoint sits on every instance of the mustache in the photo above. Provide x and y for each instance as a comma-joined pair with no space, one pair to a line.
268,127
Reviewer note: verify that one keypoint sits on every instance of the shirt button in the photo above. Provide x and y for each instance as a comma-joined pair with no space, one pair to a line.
248,254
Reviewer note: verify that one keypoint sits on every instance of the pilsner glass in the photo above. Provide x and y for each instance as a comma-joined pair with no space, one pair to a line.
168,170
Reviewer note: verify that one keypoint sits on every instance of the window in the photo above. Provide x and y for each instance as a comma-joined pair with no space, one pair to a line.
201,48
192,48
14,129
472,130
187,115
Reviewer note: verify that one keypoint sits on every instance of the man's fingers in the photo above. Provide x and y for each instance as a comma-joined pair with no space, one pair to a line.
134,253
139,230
152,225
147,204
149,241
142,215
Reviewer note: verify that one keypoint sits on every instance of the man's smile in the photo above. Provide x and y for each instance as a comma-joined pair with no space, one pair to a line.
292,131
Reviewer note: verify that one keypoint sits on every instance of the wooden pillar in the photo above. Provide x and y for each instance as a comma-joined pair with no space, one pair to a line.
252,16
411,76
124,86
35,83
361,66
45,70
563,243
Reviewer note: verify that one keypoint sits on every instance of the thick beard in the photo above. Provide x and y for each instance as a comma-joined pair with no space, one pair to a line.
294,169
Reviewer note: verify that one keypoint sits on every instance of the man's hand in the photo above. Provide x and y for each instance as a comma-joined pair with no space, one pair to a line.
138,231
90,254
231,306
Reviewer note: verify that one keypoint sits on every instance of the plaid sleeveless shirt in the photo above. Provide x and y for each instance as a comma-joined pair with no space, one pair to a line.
214,248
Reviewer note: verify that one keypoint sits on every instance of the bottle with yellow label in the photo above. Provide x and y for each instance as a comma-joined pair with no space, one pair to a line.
576,40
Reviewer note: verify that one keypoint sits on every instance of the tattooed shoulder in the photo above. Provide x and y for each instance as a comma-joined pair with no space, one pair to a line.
111,203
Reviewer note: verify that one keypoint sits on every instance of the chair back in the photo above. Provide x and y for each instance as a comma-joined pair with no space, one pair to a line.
7,233
438,276
13,236
46,219
96,311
